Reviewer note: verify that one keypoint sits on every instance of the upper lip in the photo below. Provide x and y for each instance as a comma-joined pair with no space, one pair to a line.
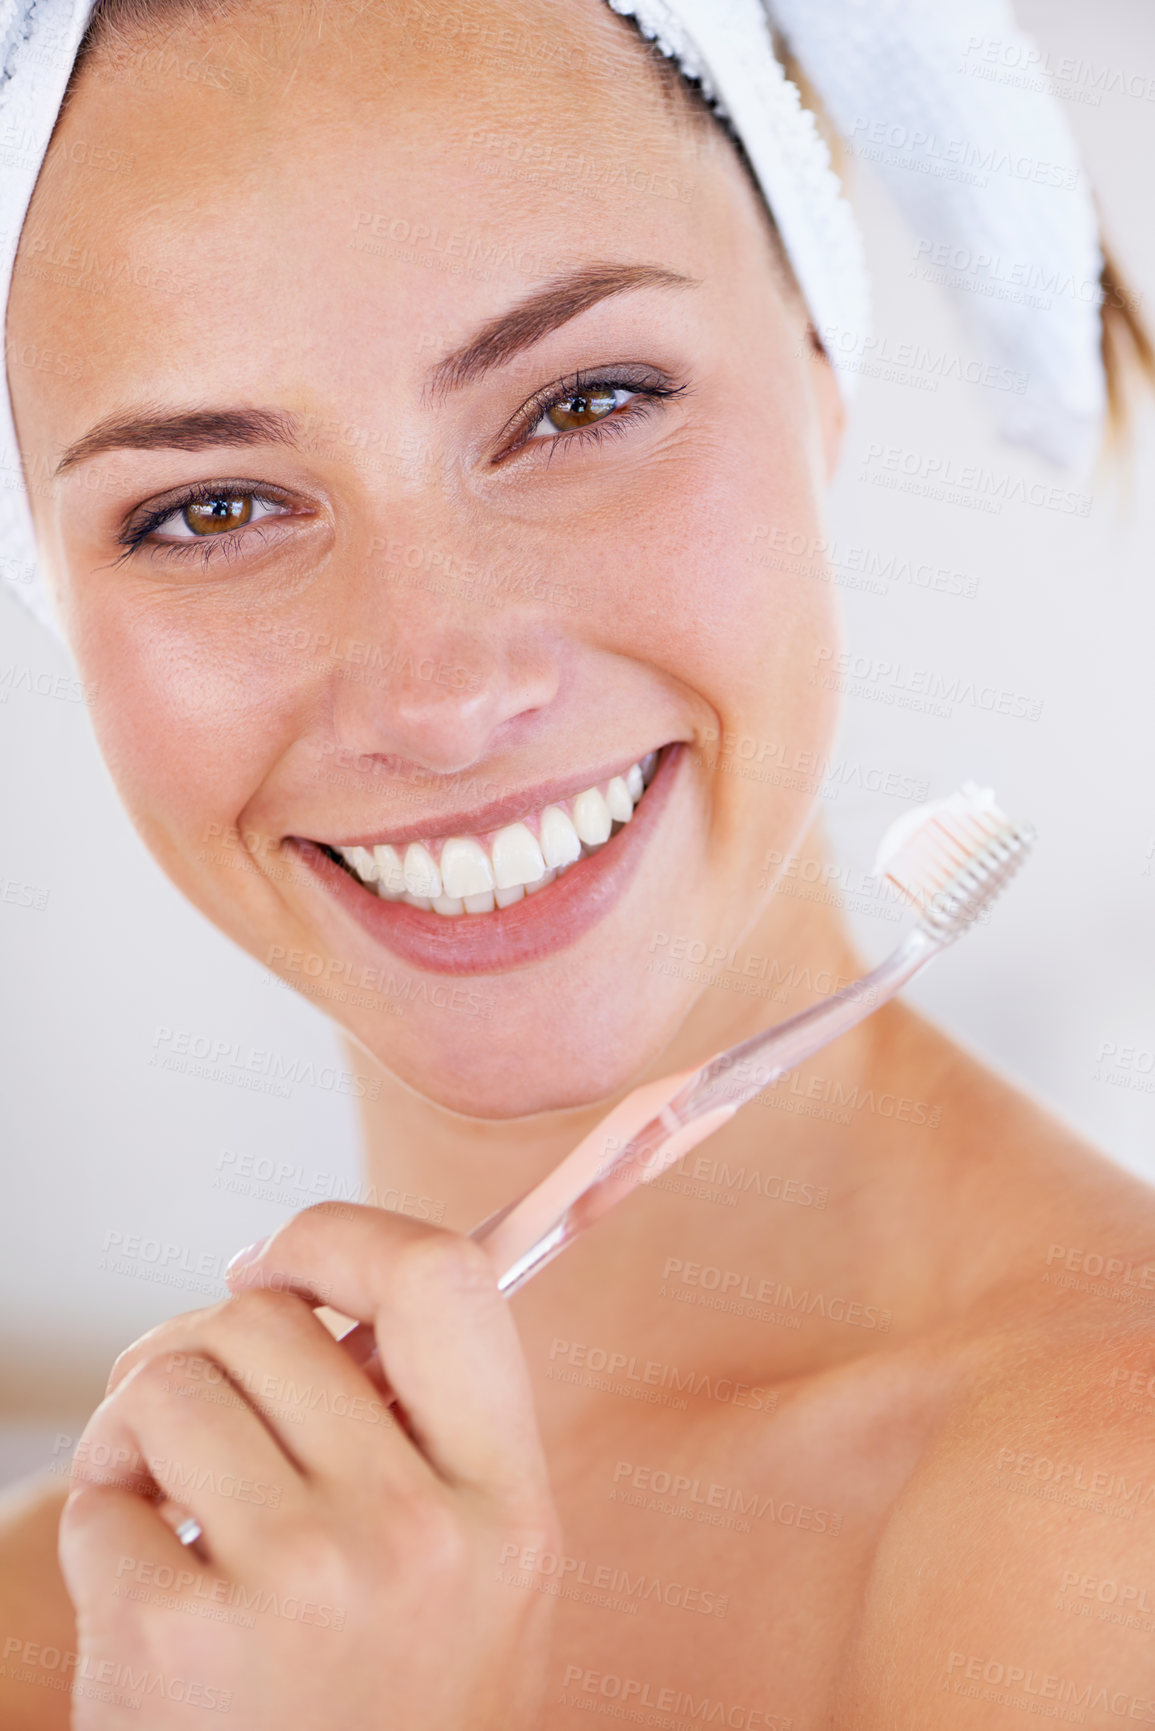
480,819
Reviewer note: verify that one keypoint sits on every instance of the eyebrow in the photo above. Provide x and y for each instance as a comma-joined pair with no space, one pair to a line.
188,430
498,341
542,312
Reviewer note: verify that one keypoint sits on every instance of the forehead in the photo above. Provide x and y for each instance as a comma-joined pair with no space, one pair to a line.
559,112
217,185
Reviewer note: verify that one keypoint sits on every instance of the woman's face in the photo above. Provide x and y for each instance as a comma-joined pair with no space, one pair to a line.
331,588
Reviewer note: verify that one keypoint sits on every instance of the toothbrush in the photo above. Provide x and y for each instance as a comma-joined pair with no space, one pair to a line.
950,859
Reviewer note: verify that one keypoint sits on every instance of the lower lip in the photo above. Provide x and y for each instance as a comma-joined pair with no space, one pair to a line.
535,927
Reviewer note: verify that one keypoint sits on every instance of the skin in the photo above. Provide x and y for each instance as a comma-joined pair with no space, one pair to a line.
899,1416
252,727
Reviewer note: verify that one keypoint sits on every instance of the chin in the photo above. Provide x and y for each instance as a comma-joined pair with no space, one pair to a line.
588,1050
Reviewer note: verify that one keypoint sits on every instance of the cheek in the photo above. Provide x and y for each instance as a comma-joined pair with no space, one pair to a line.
723,585
189,720
731,600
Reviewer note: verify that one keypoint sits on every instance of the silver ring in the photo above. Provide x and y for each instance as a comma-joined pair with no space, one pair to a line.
189,1531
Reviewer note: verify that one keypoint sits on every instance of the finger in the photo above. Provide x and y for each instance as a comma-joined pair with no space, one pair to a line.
445,1334
320,1403
215,1458
183,1523
113,1546
276,1263
177,1331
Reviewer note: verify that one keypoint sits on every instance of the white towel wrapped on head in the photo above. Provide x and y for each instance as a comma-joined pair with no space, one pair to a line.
985,170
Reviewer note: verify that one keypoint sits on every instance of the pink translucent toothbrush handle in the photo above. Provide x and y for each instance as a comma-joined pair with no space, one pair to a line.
637,1140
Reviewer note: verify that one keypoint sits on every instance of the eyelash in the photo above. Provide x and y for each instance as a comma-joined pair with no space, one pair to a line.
640,381
134,536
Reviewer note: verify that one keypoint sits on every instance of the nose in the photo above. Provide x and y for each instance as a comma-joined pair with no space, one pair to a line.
441,689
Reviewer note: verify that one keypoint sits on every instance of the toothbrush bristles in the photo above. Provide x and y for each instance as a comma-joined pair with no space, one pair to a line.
953,857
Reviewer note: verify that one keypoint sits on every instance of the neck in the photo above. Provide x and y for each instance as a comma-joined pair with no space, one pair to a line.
750,1211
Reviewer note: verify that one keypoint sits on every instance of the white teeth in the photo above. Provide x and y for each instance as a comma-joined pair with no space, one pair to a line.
621,806
517,859
591,817
362,862
390,871
476,877
465,867
560,842
422,877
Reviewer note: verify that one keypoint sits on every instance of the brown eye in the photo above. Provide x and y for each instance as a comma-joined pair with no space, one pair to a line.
583,408
216,516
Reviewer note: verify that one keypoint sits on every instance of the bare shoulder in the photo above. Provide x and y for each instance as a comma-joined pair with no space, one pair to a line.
37,1628
1016,1572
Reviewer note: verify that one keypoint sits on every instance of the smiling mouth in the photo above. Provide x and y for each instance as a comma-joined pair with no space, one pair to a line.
461,875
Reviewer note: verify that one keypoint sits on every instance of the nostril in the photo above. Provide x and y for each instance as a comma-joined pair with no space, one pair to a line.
440,710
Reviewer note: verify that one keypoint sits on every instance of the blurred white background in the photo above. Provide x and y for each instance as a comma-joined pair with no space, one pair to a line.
100,1145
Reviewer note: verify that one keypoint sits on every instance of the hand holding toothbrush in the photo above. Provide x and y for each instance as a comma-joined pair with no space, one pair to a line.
400,1581
352,1554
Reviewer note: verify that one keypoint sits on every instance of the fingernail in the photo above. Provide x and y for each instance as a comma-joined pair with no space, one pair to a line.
245,1256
